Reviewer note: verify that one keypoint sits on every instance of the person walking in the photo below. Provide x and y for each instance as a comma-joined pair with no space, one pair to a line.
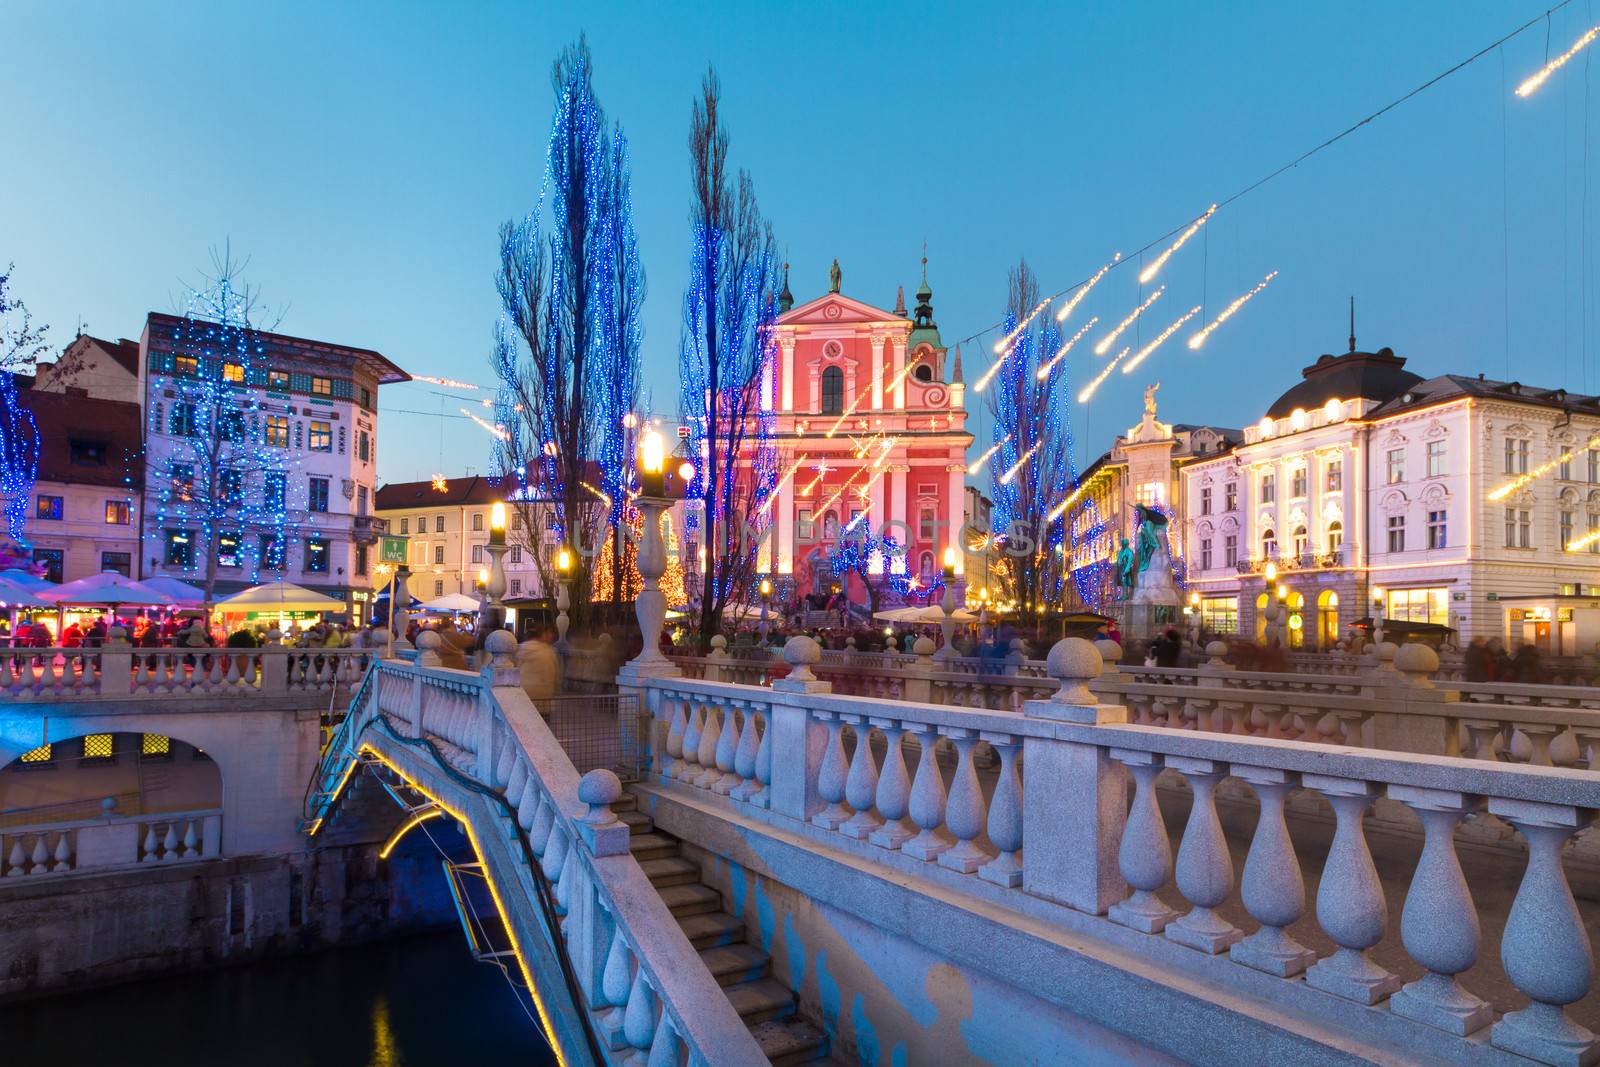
1476,660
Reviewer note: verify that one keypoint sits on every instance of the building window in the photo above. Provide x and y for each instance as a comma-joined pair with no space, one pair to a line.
182,423
1564,536
273,550
1230,494
278,380
228,550
361,559
232,372
1397,533
363,446
87,453
317,495
1518,528
321,439
121,562
438,524
477,553
477,522
99,747
405,525
273,490
366,397
438,555
438,588
180,548
1565,473
1594,465
1220,614
1205,553
516,587
321,386
186,366
1269,488
1418,605
832,391
48,507
232,485
1269,544
316,556
1205,500
807,529
277,431
1396,465
230,425
1436,529
361,500
183,481
1302,542
1593,537
1436,459
1335,536
516,553
1516,456
1297,482
154,746
37,757
1230,550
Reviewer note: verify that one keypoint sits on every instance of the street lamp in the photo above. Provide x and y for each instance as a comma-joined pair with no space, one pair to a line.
1194,617
494,578
1378,604
947,625
651,604
766,598
563,595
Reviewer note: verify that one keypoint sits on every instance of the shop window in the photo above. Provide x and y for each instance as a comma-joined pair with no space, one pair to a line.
48,507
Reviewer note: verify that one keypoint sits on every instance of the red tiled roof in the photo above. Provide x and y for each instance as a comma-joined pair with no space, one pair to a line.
63,418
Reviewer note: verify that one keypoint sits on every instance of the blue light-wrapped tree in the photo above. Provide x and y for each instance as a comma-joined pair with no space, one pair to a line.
727,352
568,339
21,345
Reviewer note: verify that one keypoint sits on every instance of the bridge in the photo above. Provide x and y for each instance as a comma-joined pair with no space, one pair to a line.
1074,861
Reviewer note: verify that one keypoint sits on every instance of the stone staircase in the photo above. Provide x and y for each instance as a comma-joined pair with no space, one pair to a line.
744,971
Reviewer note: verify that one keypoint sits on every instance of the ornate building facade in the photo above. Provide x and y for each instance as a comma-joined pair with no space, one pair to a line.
870,413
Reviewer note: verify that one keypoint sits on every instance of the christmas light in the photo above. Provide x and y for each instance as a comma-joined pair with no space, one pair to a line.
1160,338
1200,338
1088,390
1083,291
1528,87
978,464
772,497
1194,227
1005,342
1582,544
1061,353
448,383
440,484
1505,489
1005,479
499,432
1104,344
1006,347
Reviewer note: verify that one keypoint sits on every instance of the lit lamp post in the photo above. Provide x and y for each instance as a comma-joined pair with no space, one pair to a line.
1281,595
1270,575
1194,617
1377,615
983,613
651,604
766,598
947,625
563,595
495,579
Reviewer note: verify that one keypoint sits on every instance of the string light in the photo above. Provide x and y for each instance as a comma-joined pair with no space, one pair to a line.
978,464
1061,353
773,496
1504,490
1159,340
1083,291
1005,342
1583,543
1005,479
1194,227
1088,390
1105,342
1227,313
448,383
440,484
1528,87
497,431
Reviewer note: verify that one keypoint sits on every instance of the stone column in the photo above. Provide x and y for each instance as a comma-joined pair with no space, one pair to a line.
786,356
799,739
899,349
651,604
785,538
878,340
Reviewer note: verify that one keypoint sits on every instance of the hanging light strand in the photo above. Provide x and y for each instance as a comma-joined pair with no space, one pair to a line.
1183,239
1083,291
1088,390
1531,85
1227,313
982,461
1160,338
1061,353
1105,342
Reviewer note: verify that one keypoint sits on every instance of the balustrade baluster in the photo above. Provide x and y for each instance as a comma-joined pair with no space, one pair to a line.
894,789
727,751
1005,814
1350,903
169,843
666,1047
16,858
63,853
1482,738
763,796
861,787
1273,888
1545,948
831,775
40,860
964,815
616,979
689,766
150,844
675,736
706,752
639,1017
544,821
1439,923
927,798
1205,867
189,840
555,859
744,760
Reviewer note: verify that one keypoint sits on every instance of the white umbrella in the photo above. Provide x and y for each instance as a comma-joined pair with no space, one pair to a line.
279,596
15,596
932,615
106,589
451,603
180,592
26,579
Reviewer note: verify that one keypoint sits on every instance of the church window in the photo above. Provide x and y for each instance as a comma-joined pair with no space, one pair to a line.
832,391
923,372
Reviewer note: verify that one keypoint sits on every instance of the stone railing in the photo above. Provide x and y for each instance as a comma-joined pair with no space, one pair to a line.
645,992
110,841
862,775
120,672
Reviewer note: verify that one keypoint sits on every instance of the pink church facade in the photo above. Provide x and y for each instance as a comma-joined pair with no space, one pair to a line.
871,430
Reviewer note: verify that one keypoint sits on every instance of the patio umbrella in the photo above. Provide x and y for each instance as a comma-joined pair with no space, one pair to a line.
26,579
930,615
451,603
181,592
15,596
279,596
106,589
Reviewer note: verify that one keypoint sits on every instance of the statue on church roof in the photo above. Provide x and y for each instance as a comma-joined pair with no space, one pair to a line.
1150,399
835,276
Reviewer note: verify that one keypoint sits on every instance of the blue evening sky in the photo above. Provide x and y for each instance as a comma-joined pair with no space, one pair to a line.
363,155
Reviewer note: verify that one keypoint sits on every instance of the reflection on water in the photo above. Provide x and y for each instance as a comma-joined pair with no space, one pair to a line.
412,1003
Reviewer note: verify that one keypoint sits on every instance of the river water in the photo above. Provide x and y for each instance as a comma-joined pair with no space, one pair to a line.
418,1002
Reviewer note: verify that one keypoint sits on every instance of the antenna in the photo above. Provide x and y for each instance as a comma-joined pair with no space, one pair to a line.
1352,323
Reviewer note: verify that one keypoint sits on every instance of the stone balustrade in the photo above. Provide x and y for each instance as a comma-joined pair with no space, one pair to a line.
864,775
110,841
548,839
121,672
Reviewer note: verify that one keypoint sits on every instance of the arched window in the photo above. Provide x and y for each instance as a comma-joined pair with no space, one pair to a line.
1269,544
923,373
832,391
1335,536
1301,541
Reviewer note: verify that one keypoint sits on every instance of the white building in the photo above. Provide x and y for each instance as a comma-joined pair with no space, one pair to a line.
1454,500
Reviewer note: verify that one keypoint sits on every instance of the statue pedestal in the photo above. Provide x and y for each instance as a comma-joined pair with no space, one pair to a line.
1155,604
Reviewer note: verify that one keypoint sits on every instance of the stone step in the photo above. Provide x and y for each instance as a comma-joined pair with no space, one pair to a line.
638,822
760,1000
652,846
626,802
791,1042
691,898
712,928
674,870
731,964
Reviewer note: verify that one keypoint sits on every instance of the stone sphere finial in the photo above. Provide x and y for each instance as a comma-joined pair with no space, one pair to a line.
1418,662
800,652
1386,651
923,646
1075,662
599,789
428,645
501,645
1110,653
719,643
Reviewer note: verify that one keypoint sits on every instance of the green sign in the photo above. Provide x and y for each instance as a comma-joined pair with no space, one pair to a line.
392,550
1494,596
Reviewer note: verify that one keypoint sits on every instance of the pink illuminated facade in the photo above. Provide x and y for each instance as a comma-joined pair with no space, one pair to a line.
870,416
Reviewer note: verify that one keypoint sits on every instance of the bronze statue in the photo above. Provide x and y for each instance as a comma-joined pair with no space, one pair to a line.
835,275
